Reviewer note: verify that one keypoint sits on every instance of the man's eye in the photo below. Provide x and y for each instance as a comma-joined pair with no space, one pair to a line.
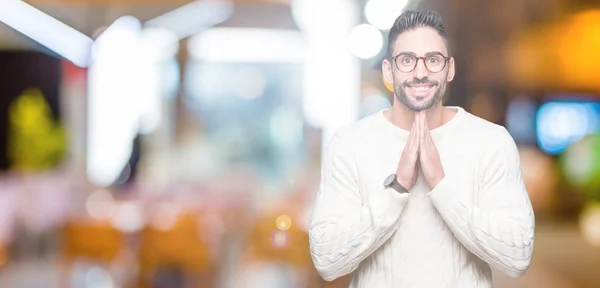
407,60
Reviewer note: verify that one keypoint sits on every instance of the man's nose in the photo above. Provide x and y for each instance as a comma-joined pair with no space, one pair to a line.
420,71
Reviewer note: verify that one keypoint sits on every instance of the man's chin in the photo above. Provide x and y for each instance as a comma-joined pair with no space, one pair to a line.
419,103
417,108
420,94
420,100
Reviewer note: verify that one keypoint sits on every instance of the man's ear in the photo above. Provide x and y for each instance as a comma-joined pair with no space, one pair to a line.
451,70
386,69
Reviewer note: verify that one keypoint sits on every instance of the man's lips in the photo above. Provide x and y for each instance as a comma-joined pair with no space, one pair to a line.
420,89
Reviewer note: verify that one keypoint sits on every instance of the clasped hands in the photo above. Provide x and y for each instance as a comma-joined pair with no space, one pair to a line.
419,151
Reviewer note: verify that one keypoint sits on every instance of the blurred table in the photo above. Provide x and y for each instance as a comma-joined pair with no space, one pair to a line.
561,259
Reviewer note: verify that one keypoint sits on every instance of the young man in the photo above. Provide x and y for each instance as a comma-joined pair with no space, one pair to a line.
421,195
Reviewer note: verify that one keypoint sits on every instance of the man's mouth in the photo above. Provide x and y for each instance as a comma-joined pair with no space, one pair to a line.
419,90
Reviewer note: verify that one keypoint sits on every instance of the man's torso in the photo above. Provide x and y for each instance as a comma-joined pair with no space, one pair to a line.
424,252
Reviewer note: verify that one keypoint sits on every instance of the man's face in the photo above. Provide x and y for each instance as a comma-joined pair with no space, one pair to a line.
419,89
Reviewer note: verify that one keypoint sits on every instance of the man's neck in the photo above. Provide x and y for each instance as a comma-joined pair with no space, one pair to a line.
404,117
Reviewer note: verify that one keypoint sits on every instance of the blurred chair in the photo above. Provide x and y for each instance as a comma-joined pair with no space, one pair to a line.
178,248
93,241
278,239
277,246
270,243
3,254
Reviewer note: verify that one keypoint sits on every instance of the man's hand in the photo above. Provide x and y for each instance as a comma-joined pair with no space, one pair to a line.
406,174
428,154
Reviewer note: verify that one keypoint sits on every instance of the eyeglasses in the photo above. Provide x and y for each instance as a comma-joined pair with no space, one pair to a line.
406,63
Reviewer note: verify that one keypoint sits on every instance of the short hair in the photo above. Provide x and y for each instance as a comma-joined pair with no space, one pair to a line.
411,19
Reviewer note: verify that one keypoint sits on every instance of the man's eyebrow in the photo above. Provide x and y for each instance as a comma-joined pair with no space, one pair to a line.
434,52
407,53
414,54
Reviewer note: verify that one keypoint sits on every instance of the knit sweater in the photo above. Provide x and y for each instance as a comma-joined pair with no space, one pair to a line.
479,215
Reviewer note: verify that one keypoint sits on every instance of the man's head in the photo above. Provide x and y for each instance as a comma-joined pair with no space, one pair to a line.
418,62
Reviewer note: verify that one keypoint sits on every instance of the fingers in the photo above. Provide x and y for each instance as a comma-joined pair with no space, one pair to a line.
425,124
429,142
411,149
414,142
426,141
413,137
413,132
423,131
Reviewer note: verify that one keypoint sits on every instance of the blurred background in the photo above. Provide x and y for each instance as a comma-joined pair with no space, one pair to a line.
148,143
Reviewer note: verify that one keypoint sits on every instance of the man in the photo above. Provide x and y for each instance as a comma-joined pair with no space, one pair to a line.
421,195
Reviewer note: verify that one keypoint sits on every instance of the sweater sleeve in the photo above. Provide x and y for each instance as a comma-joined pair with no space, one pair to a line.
344,229
498,225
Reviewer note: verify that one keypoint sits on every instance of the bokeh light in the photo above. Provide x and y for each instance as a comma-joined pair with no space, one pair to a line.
283,222
365,41
581,165
165,216
374,102
280,239
560,124
383,13
98,277
589,223
100,204
540,177
128,217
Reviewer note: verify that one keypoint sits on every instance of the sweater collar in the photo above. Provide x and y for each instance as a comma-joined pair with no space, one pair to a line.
437,134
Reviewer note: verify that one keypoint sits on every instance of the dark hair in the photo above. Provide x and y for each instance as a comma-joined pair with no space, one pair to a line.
411,19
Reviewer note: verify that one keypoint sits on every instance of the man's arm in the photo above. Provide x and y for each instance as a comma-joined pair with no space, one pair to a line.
344,230
499,226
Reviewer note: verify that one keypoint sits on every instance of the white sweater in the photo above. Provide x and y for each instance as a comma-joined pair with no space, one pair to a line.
478,215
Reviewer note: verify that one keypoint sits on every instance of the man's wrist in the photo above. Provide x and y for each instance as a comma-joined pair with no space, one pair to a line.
399,187
437,181
392,182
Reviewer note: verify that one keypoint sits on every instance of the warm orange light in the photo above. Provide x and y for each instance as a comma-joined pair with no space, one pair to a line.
577,50
283,222
558,56
3,258
540,177
388,86
527,63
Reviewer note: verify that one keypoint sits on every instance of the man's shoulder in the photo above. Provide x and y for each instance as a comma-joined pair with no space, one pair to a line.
358,129
483,128
489,135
